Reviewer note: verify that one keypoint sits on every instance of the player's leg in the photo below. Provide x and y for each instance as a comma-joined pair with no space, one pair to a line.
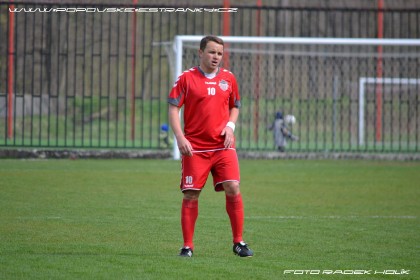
195,171
235,209
189,214
226,177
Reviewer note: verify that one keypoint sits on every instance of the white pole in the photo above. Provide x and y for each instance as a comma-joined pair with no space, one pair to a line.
362,110
178,71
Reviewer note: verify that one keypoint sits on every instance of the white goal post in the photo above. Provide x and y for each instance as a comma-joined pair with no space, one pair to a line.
181,42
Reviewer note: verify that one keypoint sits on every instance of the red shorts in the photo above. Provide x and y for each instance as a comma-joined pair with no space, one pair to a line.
223,165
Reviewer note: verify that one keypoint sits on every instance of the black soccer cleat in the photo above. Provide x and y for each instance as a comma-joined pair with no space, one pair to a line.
241,249
186,252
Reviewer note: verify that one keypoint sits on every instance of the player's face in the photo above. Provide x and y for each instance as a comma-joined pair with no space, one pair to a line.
211,57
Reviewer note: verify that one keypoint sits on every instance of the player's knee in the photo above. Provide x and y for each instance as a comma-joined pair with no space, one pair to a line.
191,195
231,188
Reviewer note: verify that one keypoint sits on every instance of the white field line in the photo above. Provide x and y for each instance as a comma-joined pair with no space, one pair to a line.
301,217
327,217
246,217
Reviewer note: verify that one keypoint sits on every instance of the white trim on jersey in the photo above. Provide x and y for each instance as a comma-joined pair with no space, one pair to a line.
213,150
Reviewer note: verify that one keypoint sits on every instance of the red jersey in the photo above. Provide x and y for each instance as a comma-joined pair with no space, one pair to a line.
206,102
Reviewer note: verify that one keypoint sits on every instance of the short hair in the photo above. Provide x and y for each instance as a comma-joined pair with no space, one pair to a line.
205,40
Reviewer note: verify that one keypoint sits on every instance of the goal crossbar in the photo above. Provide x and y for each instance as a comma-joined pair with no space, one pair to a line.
305,40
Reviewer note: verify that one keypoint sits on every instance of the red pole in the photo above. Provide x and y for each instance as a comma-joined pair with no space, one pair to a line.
133,74
226,32
379,72
10,77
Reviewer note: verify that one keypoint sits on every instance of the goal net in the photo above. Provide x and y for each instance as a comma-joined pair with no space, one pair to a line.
318,80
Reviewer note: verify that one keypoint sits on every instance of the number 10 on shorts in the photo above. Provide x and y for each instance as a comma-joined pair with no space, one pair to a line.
188,180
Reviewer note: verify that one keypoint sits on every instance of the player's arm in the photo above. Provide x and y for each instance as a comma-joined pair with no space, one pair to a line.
228,131
184,145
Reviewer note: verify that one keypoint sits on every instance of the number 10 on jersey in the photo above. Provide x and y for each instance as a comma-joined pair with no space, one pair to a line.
211,91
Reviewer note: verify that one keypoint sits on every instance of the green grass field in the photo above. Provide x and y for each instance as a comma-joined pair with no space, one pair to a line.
119,219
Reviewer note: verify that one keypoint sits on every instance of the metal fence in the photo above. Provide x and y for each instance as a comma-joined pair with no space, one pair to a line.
83,76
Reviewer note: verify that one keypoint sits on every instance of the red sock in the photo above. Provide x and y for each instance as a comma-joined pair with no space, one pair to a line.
189,214
235,210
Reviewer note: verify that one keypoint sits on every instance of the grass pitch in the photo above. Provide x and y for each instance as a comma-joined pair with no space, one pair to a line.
119,219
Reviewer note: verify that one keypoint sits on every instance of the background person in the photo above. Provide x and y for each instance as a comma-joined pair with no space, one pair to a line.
281,132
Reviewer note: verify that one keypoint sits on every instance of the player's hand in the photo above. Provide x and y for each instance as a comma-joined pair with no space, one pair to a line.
184,146
229,136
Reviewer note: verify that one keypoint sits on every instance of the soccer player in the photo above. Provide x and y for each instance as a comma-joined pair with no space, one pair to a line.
211,103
